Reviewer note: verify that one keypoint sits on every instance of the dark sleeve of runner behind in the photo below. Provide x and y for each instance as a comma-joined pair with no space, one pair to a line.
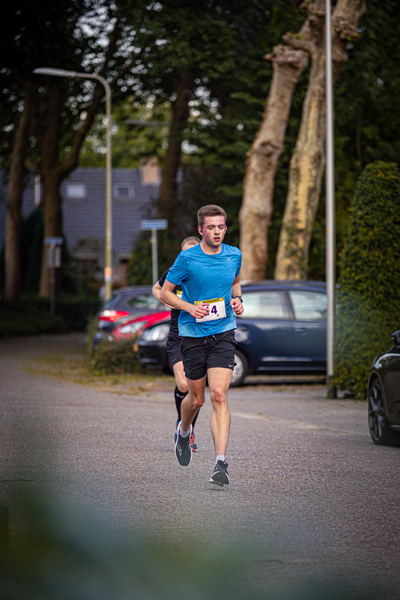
174,329
163,278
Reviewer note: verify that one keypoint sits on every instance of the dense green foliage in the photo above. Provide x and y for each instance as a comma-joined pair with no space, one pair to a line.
115,357
369,301
371,256
362,332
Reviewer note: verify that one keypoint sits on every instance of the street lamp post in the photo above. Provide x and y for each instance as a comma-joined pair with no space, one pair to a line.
108,236
330,204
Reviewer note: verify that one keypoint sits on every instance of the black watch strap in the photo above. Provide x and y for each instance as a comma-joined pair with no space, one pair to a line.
240,298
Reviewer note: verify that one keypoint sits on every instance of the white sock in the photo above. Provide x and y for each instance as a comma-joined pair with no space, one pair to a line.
183,433
220,457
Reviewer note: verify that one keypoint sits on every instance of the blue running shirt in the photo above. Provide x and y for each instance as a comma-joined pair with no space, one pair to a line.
205,277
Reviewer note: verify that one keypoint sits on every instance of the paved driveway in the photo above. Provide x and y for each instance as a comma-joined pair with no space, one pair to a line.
311,496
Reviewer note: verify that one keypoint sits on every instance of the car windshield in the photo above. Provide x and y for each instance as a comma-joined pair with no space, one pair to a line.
143,300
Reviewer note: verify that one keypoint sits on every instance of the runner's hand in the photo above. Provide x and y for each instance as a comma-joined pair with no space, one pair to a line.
237,306
199,311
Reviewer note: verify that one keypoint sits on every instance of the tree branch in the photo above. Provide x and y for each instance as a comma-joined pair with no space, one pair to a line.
71,161
114,35
126,68
298,44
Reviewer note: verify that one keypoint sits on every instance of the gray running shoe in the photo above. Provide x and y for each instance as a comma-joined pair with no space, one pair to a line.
220,475
183,451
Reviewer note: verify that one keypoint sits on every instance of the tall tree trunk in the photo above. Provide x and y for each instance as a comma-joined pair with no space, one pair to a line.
52,223
167,198
308,160
12,246
51,175
262,162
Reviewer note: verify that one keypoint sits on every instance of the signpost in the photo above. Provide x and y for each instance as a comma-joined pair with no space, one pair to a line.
153,225
53,262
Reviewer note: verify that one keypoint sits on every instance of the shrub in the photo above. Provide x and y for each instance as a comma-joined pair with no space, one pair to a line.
91,329
77,310
115,357
369,301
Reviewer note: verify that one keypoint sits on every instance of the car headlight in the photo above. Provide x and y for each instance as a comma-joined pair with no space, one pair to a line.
156,334
131,328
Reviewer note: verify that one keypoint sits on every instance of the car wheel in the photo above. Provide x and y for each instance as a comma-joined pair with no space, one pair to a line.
379,427
241,369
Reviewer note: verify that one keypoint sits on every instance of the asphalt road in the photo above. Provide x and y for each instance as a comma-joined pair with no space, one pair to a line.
311,498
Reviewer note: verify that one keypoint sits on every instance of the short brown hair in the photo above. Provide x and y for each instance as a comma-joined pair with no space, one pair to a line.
210,210
192,241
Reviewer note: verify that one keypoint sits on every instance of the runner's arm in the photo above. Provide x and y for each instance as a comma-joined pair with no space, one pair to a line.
169,298
156,289
236,303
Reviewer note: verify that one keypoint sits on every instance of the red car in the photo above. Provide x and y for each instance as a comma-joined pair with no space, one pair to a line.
125,306
138,325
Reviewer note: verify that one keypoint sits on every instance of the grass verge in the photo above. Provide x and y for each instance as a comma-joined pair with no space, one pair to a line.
77,369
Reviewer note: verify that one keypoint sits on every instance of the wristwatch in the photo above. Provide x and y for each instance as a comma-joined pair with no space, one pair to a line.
240,298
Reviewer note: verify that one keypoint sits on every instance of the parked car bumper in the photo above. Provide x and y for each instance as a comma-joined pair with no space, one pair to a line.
152,354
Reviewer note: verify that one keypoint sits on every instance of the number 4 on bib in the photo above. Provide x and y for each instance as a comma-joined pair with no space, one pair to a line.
217,309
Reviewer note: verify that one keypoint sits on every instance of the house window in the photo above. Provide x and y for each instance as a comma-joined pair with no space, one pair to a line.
76,191
123,192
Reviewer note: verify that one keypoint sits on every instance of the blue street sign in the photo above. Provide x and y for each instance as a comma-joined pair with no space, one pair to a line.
53,241
154,224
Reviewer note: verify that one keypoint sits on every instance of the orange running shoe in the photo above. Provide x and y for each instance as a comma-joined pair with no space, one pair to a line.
192,442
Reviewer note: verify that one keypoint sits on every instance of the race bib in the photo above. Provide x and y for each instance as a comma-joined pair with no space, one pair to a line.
179,293
217,309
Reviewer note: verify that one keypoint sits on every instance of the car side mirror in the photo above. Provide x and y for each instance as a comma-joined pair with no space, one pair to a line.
396,338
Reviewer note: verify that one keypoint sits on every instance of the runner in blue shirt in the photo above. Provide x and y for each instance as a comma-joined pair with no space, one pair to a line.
211,300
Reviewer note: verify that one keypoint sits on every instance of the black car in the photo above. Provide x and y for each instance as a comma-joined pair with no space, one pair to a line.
282,331
124,305
384,396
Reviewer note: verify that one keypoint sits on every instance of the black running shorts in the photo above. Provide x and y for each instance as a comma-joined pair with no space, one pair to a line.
202,353
174,348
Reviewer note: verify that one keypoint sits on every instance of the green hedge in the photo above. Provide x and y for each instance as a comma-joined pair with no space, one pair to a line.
75,311
362,332
369,301
32,315
25,319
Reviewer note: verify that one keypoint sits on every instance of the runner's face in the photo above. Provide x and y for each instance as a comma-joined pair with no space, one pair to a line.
213,231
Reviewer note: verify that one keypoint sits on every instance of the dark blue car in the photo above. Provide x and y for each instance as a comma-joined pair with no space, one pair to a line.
282,331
